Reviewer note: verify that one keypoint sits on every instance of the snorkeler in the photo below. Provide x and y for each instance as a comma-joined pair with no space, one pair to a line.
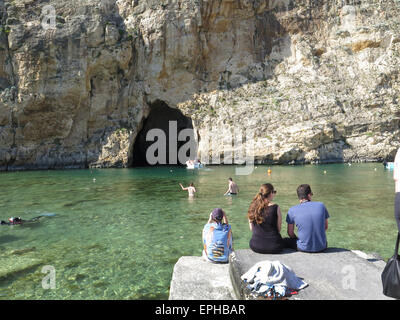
17,220
12,221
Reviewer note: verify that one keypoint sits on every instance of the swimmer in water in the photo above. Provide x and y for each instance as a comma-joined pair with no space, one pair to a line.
191,189
233,188
12,221
17,220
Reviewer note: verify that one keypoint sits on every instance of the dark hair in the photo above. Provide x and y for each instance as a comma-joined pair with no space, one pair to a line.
303,191
230,179
191,184
258,205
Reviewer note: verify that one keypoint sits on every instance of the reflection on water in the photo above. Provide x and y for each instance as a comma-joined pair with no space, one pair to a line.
119,236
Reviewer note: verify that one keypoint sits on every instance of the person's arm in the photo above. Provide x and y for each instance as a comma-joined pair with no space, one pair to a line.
210,218
251,225
279,223
326,218
224,219
227,191
229,187
183,187
230,243
290,231
205,235
209,236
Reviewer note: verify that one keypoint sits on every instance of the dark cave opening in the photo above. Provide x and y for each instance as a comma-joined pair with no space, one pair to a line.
163,144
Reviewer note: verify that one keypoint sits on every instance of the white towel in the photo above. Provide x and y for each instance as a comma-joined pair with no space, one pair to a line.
267,273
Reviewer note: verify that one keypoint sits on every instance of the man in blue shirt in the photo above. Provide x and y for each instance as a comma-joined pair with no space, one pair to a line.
311,220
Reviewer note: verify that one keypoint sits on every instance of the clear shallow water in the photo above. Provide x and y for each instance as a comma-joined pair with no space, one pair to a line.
120,236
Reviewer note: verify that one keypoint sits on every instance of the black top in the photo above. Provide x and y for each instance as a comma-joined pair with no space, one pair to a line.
266,237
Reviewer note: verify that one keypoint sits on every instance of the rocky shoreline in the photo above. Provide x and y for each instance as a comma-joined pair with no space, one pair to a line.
317,82
256,163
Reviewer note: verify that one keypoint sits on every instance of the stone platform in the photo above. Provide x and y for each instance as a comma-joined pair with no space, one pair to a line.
196,279
336,274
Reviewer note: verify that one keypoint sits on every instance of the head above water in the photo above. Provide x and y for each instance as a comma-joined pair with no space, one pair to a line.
15,220
304,191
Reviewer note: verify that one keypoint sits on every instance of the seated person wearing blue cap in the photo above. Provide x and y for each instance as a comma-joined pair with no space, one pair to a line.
217,237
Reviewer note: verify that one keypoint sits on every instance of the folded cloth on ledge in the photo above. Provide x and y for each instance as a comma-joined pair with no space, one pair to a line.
265,275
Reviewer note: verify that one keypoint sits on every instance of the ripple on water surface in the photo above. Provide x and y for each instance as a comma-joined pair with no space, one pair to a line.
118,237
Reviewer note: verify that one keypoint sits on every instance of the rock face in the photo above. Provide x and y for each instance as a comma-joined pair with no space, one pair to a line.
318,81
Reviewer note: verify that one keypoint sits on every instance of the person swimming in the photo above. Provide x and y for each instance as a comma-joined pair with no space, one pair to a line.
17,220
191,189
12,221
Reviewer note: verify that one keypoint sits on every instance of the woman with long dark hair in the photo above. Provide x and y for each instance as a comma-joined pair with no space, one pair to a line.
265,220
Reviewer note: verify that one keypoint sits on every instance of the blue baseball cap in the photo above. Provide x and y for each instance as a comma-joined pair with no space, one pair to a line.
217,214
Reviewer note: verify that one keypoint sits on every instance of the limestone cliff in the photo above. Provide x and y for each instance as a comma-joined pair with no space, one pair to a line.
317,80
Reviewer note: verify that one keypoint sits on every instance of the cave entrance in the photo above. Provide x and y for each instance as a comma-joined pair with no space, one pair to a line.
168,144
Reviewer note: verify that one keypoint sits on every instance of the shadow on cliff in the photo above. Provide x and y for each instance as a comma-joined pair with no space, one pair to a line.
270,43
332,152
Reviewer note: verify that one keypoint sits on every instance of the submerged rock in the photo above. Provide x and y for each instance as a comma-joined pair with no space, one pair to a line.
14,265
23,251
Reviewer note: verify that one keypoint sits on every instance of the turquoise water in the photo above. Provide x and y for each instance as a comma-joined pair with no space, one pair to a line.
118,237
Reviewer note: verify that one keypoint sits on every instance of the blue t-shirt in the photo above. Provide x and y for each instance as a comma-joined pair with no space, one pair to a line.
217,241
309,218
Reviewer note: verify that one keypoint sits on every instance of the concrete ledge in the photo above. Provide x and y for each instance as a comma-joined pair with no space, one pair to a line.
196,279
336,274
